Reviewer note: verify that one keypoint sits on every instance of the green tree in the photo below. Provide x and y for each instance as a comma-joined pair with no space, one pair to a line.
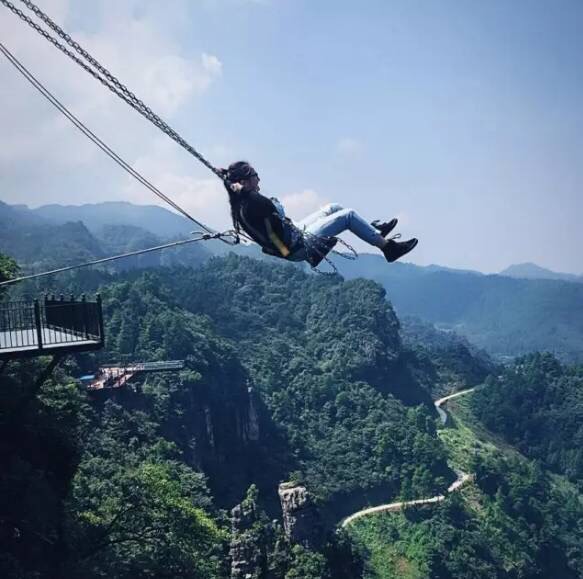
8,270
306,564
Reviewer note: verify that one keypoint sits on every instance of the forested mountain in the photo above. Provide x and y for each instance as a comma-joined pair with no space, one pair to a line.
38,243
96,216
505,316
537,405
308,344
289,377
49,246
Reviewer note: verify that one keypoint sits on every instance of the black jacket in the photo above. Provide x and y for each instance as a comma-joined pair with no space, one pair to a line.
259,218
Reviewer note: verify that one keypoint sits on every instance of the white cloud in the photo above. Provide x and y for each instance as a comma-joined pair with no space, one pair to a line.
349,146
43,158
300,204
203,197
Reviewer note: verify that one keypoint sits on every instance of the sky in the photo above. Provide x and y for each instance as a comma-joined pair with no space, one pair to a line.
463,118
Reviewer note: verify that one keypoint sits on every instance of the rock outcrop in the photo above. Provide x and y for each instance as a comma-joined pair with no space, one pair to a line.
247,549
301,519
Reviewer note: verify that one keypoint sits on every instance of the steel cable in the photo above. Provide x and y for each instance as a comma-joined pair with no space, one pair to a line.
103,75
93,137
202,237
100,73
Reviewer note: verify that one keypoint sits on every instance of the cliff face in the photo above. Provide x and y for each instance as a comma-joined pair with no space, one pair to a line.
286,373
252,431
216,422
209,409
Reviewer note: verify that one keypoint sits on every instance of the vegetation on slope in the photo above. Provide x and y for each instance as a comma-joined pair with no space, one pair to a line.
131,486
287,375
537,405
8,269
457,363
88,493
505,316
514,521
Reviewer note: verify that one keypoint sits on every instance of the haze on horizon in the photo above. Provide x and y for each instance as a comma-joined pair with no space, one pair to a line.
464,119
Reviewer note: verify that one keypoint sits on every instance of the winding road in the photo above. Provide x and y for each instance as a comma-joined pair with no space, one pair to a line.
462,479
438,403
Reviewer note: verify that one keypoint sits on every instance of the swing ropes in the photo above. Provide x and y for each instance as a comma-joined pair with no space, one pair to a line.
80,56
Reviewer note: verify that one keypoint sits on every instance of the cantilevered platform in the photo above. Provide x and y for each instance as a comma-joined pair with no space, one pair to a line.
49,326
118,376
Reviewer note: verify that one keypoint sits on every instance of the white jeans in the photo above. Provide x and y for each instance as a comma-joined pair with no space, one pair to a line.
333,219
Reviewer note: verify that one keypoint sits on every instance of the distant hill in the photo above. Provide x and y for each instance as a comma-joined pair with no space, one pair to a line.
533,271
33,241
433,267
14,216
505,316
39,242
157,220
98,218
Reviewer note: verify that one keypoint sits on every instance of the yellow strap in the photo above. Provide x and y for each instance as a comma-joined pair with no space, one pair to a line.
276,240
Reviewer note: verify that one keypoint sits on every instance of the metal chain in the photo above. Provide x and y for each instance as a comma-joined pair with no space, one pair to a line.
56,43
108,80
94,138
352,256
121,90
79,49
312,242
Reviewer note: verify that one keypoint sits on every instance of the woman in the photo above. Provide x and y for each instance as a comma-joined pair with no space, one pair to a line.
311,239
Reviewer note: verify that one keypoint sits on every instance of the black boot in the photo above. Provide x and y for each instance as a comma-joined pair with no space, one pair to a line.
393,250
385,227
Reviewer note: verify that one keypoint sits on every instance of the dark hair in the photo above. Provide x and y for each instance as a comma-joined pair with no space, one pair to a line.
237,172
240,170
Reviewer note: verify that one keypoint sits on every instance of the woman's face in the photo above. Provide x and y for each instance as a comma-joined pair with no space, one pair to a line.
252,183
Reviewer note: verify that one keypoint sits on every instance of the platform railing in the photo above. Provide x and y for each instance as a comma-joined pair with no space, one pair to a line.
17,318
50,323
82,320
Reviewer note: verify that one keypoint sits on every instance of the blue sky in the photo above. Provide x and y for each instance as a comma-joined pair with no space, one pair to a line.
463,118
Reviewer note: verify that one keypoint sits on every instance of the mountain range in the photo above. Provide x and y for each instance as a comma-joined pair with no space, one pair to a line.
288,376
157,220
166,224
525,308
